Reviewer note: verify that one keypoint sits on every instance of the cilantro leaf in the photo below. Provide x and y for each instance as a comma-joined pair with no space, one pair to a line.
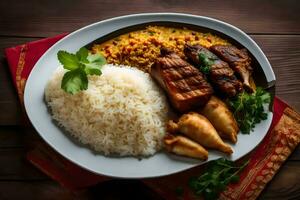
248,109
218,174
207,59
79,65
68,60
74,81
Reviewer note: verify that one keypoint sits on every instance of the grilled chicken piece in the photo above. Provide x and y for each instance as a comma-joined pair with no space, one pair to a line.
198,128
186,87
220,74
221,118
183,146
238,60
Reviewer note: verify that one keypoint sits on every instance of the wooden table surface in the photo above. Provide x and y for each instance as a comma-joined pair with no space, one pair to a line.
274,25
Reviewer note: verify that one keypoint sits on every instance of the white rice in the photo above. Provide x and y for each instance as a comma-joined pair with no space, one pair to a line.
122,112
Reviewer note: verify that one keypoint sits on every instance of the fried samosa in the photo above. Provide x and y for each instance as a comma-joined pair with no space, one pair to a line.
221,118
183,146
199,129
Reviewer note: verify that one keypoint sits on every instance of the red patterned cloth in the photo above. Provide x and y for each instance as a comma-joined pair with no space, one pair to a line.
265,160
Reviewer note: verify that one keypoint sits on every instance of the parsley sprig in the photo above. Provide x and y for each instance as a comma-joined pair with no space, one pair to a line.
206,59
248,109
79,65
218,174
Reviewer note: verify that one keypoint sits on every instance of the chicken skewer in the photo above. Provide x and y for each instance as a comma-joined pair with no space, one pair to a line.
238,60
198,128
183,146
219,72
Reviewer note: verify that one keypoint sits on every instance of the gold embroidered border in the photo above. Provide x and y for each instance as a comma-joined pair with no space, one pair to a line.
20,82
237,192
285,137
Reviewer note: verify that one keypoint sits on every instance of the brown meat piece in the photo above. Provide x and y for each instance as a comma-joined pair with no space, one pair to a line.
186,86
220,74
238,60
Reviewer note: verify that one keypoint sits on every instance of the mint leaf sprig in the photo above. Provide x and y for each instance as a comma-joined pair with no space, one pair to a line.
79,65
218,174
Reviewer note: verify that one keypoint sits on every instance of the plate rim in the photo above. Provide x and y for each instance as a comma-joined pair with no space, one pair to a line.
269,75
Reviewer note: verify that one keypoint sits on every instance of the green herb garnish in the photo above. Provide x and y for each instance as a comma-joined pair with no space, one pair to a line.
248,109
218,174
79,65
206,59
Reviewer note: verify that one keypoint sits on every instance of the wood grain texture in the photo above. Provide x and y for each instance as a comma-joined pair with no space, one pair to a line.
47,18
273,25
35,190
123,189
283,53
12,137
15,167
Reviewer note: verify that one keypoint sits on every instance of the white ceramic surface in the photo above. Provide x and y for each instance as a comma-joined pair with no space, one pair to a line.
128,167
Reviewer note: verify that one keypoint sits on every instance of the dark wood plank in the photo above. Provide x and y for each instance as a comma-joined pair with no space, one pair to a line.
282,51
126,189
20,180
16,137
110,190
47,18
285,184
15,166
14,144
11,137
36,190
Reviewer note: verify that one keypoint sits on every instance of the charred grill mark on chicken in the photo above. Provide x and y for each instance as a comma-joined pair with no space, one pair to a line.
185,85
218,71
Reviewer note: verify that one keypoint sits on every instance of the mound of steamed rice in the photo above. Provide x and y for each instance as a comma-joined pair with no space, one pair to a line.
122,112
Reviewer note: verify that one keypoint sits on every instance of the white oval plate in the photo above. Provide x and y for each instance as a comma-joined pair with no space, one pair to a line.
128,167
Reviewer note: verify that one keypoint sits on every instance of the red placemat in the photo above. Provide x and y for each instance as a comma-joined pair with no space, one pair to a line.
265,160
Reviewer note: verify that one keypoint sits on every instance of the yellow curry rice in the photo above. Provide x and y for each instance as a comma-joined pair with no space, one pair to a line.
141,48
